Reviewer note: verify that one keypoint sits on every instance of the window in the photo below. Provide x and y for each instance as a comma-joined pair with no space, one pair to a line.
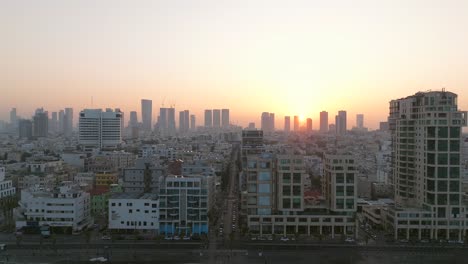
286,178
264,201
454,145
264,176
130,211
264,188
296,203
442,132
252,188
454,132
349,190
286,203
296,178
442,186
286,190
454,159
296,190
339,178
442,145
349,178
442,172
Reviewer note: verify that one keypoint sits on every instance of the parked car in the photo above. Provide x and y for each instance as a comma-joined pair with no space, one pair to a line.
349,240
105,237
284,239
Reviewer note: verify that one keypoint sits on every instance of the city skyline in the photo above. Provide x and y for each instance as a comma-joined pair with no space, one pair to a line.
237,55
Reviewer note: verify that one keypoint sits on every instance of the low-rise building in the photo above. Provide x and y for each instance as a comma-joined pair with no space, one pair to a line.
132,211
66,207
6,186
185,202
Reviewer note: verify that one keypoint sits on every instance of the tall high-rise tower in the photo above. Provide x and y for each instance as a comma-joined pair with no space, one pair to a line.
287,123
171,127
216,118
192,122
324,121
41,123
426,131
68,121
296,123
146,114
360,121
208,118
225,118
340,123
309,125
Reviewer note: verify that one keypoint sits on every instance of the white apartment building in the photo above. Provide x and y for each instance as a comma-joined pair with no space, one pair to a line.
131,211
66,206
100,130
427,142
6,186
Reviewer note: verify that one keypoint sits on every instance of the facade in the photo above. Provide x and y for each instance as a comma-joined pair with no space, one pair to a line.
146,114
184,204
133,212
40,124
208,118
68,121
341,123
25,129
192,122
105,178
426,160
163,124
216,118
171,123
142,178
99,130
225,119
287,124
6,186
99,201
324,121
309,125
288,214
65,206
268,122
296,123
360,121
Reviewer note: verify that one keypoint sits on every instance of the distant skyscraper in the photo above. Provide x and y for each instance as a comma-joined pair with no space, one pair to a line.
251,126
272,122
208,118
192,122
25,128
323,121
41,123
216,118
225,118
122,120
265,124
98,129
53,122
171,124
133,122
360,121
163,123
182,127
287,123
296,123
61,121
13,117
383,126
68,121
340,123
309,125
146,114
187,120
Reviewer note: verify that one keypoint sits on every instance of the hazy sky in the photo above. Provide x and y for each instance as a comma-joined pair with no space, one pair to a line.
288,57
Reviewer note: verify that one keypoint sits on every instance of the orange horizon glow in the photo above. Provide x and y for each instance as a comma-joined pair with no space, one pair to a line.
249,56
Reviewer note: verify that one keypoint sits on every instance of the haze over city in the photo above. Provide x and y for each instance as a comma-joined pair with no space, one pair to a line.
248,56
